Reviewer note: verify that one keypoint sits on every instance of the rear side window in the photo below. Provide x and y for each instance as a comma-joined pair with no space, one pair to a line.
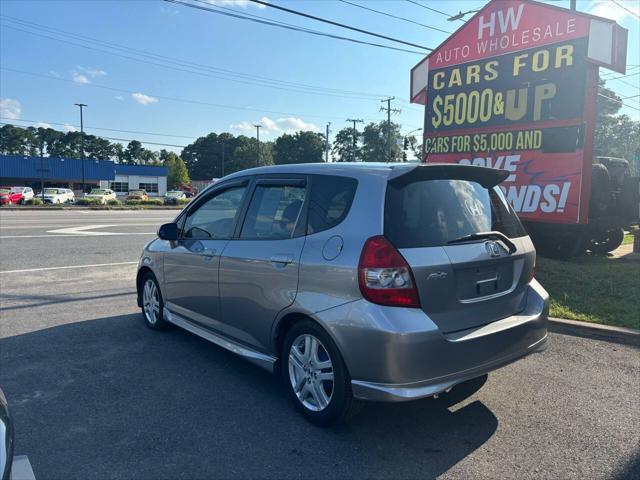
331,198
431,213
273,212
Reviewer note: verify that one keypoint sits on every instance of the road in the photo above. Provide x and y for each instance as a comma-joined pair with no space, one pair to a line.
95,394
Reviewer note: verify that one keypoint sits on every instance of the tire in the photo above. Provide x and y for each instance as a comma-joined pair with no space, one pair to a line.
153,317
607,241
600,196
322,402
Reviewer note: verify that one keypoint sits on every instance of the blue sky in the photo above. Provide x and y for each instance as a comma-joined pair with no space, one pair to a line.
124,94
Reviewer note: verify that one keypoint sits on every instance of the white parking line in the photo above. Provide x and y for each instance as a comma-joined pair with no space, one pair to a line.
26,270
76,235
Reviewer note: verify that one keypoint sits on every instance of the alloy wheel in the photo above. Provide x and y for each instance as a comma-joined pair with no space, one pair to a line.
311,372
151,301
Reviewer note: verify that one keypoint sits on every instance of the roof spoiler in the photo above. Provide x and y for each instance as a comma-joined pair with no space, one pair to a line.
487,177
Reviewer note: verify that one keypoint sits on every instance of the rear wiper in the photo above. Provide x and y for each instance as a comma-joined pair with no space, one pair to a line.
491,235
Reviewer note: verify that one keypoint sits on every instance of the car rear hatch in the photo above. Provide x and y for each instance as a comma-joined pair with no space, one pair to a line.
470,256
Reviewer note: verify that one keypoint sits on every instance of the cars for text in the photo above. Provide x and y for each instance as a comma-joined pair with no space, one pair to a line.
355,282
58,195
15,195
102,194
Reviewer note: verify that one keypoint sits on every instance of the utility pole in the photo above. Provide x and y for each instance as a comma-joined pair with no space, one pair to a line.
326,145
389,112
81,106
572,5
258,126
355,136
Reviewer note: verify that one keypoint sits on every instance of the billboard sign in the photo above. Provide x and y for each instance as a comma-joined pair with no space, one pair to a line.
515,88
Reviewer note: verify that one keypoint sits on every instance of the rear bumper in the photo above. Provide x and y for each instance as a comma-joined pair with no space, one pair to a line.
396,354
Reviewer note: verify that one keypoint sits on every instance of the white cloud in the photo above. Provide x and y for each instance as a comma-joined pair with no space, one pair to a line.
83,75
79,78
54,73
10,108
612,11
119,97
277,126
92,72
143,99
43,125
69,128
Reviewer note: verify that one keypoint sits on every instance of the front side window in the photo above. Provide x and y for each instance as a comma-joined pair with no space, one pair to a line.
431,213
215,218
273,213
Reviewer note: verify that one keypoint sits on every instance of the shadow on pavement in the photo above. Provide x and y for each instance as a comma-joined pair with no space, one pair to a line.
110,398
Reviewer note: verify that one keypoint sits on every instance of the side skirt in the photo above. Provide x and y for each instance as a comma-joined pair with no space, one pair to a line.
260,359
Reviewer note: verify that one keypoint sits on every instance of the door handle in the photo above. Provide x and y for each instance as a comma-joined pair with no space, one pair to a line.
282,259
207,253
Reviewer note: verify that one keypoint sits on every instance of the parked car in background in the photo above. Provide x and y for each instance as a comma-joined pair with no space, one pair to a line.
382,282
137,195
58,195
174,196
15,195
102,194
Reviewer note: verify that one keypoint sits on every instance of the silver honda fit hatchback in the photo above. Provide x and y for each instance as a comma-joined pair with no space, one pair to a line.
384,282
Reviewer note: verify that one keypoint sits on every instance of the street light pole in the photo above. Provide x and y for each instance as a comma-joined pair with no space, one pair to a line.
355,136
326,145
81,106
258,144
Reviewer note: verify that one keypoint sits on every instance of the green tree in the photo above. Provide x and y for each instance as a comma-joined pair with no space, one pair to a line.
374,140
301,147
345,146
178,174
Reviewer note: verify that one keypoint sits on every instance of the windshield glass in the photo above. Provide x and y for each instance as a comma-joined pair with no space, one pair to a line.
5,190
50,191
431,213
136,192
17,189
98,191
174,194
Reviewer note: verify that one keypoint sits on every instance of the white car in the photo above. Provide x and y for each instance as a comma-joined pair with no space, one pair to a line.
175,194
58,195
102,194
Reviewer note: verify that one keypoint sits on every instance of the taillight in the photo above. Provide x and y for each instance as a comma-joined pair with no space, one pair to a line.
384,275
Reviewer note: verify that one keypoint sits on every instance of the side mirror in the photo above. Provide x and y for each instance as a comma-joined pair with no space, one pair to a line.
168,231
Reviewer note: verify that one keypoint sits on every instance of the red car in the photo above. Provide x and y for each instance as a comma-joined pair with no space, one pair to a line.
13,195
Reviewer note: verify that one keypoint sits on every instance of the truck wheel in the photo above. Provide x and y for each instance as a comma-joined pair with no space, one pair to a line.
600,197
607,241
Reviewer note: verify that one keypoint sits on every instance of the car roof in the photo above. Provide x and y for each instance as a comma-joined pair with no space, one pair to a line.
334,168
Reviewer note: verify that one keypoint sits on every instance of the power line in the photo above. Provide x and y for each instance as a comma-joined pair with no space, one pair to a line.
119,139
619,101
138,132
196,71
432,9
175,99
625,8
38,27
256,19
394,16
338,24
624,76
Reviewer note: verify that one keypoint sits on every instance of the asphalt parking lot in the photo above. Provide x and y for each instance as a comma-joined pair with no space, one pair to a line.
95,394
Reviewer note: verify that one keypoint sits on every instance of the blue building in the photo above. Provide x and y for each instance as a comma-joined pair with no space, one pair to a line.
16,170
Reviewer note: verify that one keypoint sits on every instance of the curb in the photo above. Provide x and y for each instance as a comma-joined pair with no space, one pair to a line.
608,333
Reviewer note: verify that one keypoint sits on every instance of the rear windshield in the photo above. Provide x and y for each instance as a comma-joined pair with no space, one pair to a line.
431,213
